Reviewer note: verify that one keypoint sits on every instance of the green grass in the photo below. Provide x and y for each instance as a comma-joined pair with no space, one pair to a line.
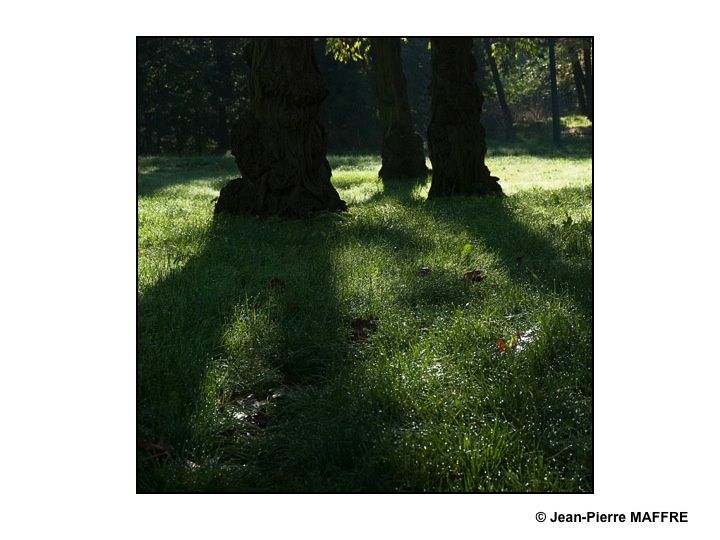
425,401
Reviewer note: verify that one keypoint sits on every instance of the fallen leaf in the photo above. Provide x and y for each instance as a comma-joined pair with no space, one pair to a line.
513,341
501,345
362,328
474,275
156,451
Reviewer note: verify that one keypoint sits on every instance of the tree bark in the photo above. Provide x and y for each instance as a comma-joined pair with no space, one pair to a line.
455,135
580,86
587,58
507,116
403,156
554,93
279,144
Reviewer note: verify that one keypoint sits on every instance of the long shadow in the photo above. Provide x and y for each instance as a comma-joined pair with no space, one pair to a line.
528,255
256,309
247,355
255,320
541,267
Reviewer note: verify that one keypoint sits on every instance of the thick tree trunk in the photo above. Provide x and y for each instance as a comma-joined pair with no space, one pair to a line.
587,58
403,156
223,92
507,116
455,135
554,93
279,144
580,86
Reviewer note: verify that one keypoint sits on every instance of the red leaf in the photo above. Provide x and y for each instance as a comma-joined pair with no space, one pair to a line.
501,345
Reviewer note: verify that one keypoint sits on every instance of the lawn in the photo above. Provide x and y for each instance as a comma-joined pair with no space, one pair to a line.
404,345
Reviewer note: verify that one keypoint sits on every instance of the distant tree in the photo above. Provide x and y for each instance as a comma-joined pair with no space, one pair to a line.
580,86
279,144
554,92
349,113
587,58
403,156
455,135
577,52
507,116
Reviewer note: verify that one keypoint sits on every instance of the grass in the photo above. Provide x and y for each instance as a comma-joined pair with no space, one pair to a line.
358,371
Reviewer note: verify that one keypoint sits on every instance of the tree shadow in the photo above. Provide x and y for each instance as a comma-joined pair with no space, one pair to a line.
252,311
260,308
255,311
527,255
249,370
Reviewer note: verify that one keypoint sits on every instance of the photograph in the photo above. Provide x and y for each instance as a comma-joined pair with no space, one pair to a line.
364,264
399,270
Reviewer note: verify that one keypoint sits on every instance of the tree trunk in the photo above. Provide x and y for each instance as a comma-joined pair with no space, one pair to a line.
507,116
223,92
279,144
587,58
580,86
554,93
403,156
455,135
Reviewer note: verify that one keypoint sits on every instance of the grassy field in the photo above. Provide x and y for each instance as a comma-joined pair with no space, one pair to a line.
404,345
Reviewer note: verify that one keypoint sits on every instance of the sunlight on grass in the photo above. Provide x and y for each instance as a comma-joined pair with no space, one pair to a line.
424,399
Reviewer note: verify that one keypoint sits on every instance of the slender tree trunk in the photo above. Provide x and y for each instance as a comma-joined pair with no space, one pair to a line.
279,144
587,58
455,135
554,93
507,116
580,86
403,156
480,61
223,92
